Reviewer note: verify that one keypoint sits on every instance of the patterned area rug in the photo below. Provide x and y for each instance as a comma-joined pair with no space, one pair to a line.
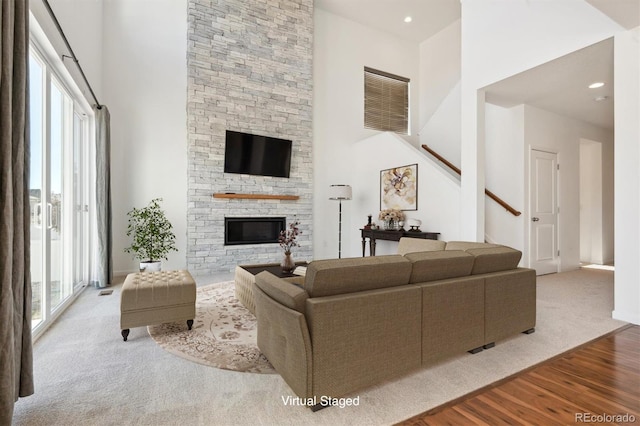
223,336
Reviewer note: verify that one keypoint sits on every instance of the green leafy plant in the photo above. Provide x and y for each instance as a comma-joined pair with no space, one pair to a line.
152,236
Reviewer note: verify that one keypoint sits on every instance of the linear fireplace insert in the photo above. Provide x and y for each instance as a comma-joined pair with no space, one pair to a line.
253,230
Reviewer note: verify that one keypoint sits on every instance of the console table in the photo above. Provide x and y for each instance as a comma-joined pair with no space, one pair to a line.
379,234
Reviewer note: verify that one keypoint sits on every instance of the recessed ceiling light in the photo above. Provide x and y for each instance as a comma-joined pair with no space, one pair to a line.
408,19
596,85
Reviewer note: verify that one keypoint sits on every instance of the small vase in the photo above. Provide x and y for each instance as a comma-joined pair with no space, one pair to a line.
287,264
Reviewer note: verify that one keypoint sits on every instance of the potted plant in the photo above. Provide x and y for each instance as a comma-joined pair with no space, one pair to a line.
152,236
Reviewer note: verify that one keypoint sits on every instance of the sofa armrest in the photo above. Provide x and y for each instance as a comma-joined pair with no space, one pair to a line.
286,293
283,337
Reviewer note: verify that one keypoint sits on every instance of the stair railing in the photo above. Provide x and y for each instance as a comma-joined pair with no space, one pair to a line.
490,194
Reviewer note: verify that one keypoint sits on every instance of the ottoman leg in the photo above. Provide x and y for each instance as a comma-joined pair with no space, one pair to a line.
125,334
189,323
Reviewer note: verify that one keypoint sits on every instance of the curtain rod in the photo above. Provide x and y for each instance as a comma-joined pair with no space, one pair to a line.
73,55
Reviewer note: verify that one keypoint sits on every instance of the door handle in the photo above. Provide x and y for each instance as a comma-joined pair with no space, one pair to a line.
49,215
535,219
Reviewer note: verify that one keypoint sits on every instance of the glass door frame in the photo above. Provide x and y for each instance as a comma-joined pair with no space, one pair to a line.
75,107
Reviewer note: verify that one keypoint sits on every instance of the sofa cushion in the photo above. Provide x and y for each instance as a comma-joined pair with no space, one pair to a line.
466,245
494,259
286,293
439,265
412,245
339,276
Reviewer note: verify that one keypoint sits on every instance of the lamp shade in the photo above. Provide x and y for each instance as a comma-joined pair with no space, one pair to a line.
340,192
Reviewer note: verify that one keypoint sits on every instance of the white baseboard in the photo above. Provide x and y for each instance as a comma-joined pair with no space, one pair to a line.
632,317
488,239
119,276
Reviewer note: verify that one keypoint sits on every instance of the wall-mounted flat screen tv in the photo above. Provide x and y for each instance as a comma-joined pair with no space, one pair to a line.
257,155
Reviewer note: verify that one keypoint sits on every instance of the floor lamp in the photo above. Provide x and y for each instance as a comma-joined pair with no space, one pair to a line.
340,192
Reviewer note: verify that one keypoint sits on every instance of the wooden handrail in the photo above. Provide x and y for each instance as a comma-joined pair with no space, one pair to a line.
444,160
503,203
490,194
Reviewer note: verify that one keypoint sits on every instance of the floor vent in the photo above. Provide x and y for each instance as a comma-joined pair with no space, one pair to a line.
105,293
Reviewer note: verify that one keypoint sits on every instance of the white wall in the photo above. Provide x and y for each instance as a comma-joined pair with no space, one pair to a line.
532,32
342,48
438,192
627,180
135,62
591,206
439,69
440,93
510,135
145,79
84,35
555,133
501,39
442,132
504,174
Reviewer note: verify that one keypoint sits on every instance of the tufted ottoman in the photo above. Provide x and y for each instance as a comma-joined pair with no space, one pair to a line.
149,298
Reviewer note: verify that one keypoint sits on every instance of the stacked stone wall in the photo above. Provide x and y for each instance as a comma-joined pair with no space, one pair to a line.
249,70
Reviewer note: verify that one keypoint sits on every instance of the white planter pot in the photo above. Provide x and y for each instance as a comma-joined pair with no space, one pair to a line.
150,266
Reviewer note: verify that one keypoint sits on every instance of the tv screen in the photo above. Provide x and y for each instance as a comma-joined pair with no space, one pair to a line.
257,155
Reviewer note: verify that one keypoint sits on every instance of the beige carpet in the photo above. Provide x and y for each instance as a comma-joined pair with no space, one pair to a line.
86,375
224,333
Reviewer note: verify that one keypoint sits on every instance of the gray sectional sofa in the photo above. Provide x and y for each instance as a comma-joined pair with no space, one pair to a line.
356,322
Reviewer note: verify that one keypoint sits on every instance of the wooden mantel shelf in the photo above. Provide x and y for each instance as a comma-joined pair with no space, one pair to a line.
255,196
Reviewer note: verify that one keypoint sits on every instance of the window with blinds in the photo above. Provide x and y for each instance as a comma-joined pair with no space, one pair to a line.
386,101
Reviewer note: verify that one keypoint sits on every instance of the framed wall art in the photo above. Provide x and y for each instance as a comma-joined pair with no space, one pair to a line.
399,188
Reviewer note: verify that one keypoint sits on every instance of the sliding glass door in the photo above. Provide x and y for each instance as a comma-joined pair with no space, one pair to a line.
57,193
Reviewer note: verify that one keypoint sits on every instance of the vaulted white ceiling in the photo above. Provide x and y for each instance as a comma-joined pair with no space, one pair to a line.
559,86
429,16
624,12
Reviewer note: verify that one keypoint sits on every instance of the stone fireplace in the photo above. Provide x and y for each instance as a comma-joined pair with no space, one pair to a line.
261,85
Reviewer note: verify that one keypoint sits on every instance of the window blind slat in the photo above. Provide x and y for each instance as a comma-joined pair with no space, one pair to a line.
386,102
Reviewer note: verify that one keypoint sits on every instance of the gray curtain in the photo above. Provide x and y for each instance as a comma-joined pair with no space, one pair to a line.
16,355
104,268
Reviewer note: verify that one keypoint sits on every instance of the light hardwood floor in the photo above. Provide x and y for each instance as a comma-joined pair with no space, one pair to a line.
594,383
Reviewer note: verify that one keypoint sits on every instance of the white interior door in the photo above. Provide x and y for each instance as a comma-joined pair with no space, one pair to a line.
544,253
